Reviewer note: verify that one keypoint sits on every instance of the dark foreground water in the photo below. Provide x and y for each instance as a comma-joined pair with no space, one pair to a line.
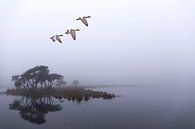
139,108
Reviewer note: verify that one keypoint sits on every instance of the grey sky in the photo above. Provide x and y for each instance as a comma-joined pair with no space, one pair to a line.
127,41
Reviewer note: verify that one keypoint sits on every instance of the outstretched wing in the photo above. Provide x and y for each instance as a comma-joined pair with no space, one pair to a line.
87,17
78,18
85,21
58,39
73,34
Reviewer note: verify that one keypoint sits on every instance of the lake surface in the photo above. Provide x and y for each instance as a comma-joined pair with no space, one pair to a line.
138,108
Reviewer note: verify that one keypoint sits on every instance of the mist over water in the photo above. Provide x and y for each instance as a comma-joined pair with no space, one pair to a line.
144,66
140,107
141,50
128,42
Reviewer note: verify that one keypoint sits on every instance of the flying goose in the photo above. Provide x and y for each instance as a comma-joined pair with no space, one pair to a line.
84,19
56,37
72,32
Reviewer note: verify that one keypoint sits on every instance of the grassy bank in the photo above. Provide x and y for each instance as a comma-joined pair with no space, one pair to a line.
69,93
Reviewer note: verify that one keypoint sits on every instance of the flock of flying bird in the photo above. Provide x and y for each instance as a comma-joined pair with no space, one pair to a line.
71,31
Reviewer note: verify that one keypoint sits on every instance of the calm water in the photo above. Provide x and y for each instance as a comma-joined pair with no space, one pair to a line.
139,108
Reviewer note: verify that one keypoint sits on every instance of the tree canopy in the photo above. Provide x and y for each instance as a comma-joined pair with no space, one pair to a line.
36,77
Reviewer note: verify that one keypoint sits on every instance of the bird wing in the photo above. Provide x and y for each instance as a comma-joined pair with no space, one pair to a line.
84,21
58,39
87,17
73,34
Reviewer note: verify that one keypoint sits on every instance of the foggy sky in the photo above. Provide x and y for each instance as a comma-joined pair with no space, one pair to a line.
127,41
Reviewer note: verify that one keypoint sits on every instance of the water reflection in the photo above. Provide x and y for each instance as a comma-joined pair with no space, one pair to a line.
34,109
77,98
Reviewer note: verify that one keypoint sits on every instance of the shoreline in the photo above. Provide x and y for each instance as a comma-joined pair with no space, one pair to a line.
75,92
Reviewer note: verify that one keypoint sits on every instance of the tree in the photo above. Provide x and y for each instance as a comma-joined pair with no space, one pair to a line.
60,83
36,77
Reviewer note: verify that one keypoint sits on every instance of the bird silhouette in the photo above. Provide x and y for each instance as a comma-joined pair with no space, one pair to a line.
72,32
56,37
84,19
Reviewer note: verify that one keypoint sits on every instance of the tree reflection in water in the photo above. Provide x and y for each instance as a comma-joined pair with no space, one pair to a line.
34,109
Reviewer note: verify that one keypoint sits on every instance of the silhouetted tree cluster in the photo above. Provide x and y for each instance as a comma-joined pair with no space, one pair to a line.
38,77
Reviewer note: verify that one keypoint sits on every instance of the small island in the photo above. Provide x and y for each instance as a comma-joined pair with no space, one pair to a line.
39,82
